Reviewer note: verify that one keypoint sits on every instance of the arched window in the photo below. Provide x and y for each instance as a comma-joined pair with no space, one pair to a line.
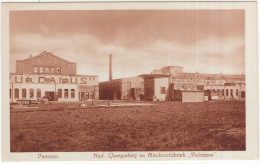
24,93
31,91
10,93
59,93
38,93
72,93
16,93
66,93
90,96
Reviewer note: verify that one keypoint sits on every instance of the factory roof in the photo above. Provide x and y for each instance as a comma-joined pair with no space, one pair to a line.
45,53
153,75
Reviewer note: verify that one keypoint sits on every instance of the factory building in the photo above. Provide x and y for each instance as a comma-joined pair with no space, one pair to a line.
173,83
130,88
47,76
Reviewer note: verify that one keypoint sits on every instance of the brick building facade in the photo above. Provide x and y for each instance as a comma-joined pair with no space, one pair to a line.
48,76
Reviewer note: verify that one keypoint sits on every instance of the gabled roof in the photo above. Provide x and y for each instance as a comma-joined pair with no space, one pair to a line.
46,53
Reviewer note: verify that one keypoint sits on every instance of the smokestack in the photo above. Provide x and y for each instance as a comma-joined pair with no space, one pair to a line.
110,67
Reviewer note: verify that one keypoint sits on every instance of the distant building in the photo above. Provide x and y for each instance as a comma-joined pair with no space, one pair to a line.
131,88
215,86
169,70
48,76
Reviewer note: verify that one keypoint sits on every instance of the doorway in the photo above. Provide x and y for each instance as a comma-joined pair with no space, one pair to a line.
49,95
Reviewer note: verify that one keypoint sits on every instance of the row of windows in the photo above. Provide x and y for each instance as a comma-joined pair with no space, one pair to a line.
187,87
231,92
66,93
46,70
38,93
227,91
24,93
200,81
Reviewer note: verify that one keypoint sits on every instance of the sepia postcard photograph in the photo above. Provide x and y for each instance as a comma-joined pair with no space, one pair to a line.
129,81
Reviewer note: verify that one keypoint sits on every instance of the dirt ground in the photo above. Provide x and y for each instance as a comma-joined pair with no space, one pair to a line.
158,126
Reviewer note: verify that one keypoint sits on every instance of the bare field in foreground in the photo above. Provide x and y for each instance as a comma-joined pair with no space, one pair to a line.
163,126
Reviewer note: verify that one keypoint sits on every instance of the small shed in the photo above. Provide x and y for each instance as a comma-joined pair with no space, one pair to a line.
189,95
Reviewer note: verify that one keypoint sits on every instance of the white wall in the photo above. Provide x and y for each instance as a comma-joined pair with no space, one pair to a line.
193,96
158,83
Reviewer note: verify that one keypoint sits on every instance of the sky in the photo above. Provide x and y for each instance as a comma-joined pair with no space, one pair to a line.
204,41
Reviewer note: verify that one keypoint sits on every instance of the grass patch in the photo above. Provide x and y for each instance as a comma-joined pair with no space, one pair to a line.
166,126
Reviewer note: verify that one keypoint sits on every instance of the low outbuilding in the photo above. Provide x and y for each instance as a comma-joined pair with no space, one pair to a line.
189,95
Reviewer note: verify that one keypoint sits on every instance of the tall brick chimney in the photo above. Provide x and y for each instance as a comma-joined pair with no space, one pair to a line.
110,67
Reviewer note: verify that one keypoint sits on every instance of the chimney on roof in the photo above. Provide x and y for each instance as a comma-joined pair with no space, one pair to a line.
110,67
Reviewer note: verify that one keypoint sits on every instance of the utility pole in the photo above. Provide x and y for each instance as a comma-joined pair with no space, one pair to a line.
110,67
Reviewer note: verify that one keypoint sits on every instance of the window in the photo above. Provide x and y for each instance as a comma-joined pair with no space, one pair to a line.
87,95
47,69
41,69
66,93
58,70
35,69
72,93
227,92
16,93
24,93
10,93
91,96
59,93
237,92
38,93
52,70
163,90
82,95
31,91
